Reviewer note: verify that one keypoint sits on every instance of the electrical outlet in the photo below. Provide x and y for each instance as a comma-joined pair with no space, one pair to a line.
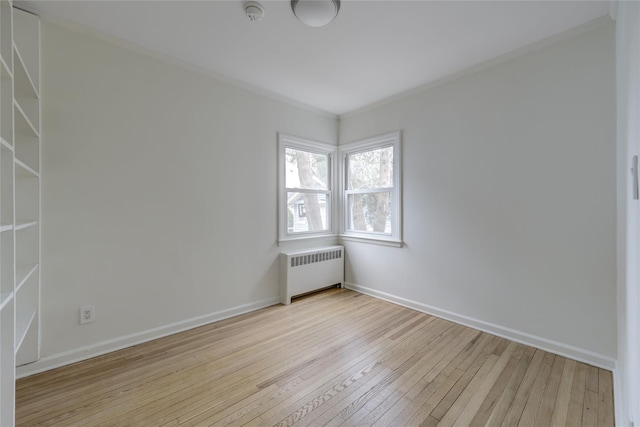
87,314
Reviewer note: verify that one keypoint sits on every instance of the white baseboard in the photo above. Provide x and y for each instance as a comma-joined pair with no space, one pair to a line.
83,353
619,406
551,346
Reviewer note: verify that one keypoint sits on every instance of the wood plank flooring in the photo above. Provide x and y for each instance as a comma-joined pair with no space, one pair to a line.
331,359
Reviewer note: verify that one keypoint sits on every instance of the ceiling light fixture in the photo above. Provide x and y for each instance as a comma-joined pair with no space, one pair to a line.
253,10
315,13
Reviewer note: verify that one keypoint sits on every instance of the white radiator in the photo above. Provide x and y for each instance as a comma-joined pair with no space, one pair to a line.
310,270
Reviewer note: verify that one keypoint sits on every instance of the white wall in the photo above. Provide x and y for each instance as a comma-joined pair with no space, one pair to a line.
159,197
159,194
509,199
627,375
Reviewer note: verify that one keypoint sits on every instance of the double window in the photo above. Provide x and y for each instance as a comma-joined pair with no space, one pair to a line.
369,203
306,197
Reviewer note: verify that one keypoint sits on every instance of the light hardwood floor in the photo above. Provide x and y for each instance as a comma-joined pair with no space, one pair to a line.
335,358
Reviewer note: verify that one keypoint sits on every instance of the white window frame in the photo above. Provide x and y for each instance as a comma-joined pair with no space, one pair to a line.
392,139
287,141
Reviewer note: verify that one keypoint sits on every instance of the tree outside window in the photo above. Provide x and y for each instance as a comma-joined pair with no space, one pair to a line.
370,202
371,193
306,193
369,186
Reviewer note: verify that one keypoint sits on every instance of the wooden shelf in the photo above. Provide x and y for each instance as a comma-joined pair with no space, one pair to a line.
23,86
23,225
6,31
26,170
23,273
24,319
27,147
5,298
20,198
7,268
5,67
22,122
6,104
7,236
5,144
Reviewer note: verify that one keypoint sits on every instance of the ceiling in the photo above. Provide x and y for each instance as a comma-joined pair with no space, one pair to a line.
371,51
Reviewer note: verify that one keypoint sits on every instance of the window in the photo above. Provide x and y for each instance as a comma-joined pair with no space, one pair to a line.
371,199
306,182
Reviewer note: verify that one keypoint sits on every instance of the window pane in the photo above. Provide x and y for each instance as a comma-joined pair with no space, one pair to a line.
306,170
306,212
370,169
370,212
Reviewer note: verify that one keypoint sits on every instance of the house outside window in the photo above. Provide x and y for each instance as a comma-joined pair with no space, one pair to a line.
306,183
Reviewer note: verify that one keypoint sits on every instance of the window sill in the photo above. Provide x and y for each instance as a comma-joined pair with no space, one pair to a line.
371,240
323,239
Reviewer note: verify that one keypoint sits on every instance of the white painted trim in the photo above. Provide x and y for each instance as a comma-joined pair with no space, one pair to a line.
91,32
288,141
108,346
393,139
373,240
628,212
483,65
331,237
562,349
618,400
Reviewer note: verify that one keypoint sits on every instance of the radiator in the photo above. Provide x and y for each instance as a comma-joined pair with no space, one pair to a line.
310,270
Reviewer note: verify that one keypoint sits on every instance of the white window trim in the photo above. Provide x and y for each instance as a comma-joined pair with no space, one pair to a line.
288,141
395,239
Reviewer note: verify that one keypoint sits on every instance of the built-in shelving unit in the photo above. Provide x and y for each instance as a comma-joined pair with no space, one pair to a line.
19,198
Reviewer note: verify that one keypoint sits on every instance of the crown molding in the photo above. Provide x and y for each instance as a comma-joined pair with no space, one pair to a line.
613,9
150,53
486,64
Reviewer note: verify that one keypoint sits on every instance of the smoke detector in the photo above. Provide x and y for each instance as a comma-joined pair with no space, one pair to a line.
254,10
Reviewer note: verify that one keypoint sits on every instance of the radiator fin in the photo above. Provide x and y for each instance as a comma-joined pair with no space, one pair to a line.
298,261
